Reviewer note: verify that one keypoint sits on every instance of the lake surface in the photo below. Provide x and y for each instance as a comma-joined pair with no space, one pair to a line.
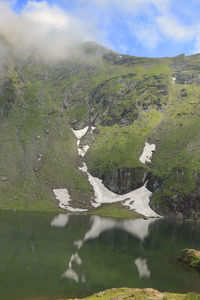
50,256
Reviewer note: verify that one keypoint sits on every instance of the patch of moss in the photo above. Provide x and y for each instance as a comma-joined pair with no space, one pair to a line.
114,211
191,257
139,294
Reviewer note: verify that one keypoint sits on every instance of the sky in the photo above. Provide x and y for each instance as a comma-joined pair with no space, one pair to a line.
150,28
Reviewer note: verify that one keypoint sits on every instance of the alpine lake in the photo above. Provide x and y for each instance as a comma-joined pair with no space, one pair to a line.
55,256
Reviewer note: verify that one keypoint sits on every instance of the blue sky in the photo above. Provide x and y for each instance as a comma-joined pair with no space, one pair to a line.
153,28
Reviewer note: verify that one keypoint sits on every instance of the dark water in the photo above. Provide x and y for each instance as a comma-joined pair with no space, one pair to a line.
44,255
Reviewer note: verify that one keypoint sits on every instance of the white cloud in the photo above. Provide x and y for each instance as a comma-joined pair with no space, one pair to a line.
147,35
170,27
43,27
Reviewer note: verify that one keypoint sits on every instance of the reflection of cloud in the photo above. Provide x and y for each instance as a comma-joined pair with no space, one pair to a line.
60,220
142,267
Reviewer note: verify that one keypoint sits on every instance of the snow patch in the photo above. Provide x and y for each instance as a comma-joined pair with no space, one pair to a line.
94,204
63,198
92,129
60,220
83,168
147,153
137,200
83,151
173,79
80,133
142,267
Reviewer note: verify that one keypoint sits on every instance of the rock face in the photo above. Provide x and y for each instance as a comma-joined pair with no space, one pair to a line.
180,207
191,258
122,181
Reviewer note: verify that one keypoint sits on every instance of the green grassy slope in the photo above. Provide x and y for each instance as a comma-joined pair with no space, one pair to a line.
38,148
129,100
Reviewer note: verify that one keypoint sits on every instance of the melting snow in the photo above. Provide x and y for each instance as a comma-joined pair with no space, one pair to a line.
82,151
173,79
147,153
137,200
92,129
63,197
80,133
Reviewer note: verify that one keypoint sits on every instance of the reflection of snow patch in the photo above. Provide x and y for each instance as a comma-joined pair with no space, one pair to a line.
76,258
147,153
82,151
71,274
138,228
78,244
63,197
80,133
142,267
60,221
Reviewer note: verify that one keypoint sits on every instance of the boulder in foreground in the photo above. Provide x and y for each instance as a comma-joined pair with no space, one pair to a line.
191,257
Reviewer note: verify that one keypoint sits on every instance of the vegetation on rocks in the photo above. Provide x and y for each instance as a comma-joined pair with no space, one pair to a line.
191,258
138,294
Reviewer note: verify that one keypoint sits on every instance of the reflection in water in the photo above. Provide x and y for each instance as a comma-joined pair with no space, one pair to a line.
138,228
114,253
70,273
142,267
60,220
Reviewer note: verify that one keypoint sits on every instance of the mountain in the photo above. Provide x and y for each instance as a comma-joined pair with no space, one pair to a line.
129,100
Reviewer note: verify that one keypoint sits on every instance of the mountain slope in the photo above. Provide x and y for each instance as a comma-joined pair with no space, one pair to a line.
129,100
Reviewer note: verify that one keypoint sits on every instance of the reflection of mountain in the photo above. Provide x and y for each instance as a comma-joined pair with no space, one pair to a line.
139,228
38,254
